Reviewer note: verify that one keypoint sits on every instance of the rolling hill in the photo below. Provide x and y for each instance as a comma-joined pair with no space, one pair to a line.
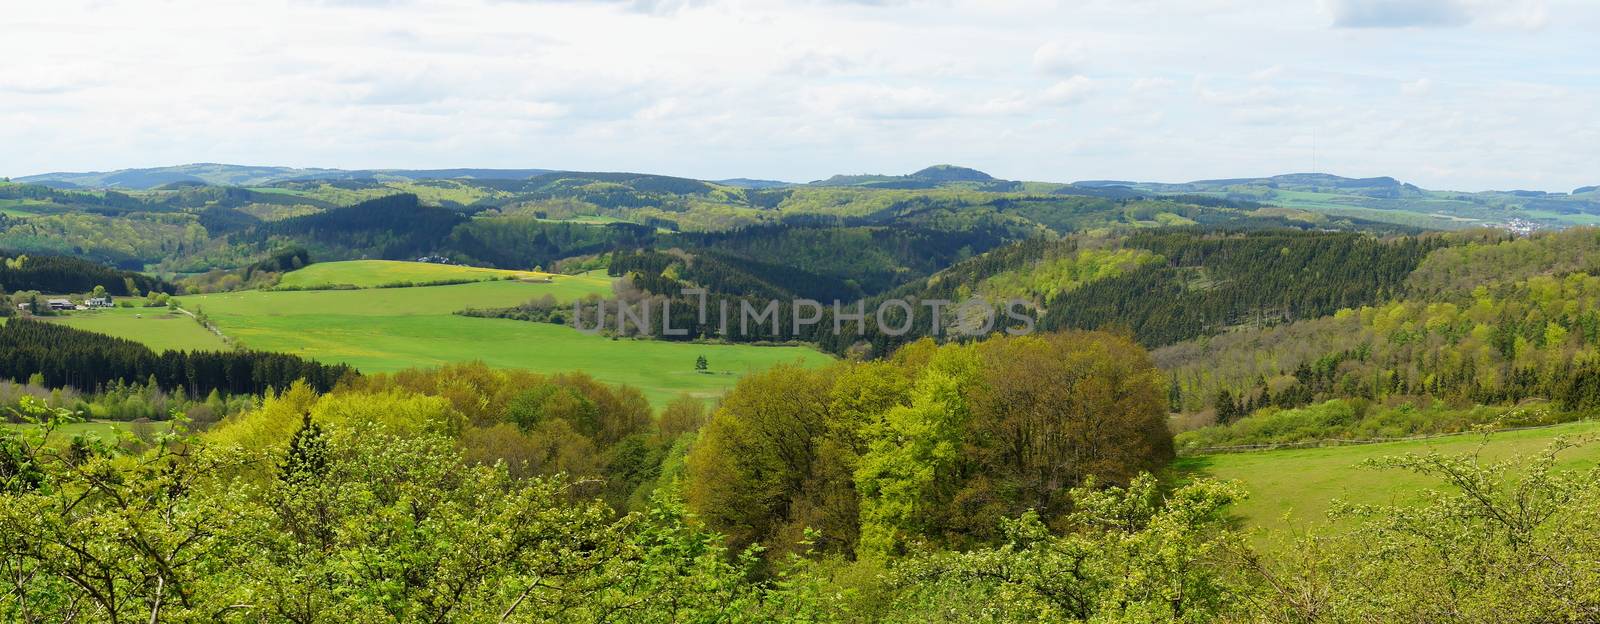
247,175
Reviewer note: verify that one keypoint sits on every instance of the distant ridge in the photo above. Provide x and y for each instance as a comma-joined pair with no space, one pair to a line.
249,175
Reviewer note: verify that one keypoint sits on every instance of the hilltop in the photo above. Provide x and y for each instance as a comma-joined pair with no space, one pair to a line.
676,202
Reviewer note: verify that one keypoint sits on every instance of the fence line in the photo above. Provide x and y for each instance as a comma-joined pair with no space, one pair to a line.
1246,448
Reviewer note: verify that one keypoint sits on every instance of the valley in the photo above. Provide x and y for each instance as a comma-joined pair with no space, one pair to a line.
1203,362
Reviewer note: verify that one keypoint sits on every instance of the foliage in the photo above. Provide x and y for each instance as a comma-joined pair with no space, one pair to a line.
935,445
384,527
1211,282
128,241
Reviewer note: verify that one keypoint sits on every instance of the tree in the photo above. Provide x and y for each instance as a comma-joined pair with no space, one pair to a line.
754,458
1174,395
1053,411
308,453
684,414
1227,409
700,364
910,471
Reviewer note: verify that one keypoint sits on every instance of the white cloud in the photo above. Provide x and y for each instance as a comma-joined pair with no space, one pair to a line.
1397,13
1070,91
1513,14
1268,74
1145,85
1417,88
807,88
1059,57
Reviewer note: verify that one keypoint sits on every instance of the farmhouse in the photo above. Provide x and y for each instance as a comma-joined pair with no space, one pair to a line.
99,302
60,304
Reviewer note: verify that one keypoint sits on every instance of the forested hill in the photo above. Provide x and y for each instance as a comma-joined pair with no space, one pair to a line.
390,227
65,274
1486,321
1169,285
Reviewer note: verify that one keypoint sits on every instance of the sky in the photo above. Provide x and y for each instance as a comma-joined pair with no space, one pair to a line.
1452,94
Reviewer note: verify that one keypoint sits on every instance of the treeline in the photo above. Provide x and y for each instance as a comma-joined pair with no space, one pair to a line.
123,402
517,242
65,357
111,202
66,274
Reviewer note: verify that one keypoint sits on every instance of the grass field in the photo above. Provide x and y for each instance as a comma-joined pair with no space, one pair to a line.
1290,490
155,327
370,273
93,429
24,207
396,328
424,300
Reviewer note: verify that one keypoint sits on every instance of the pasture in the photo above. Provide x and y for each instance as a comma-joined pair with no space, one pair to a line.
155,327
1290,490
391,329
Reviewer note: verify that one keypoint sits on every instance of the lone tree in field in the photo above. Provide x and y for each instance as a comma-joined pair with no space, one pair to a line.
700,364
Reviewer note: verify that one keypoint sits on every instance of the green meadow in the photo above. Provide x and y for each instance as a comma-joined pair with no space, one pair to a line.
1290,490
23,207
372,273
386,302
155,327
389,329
